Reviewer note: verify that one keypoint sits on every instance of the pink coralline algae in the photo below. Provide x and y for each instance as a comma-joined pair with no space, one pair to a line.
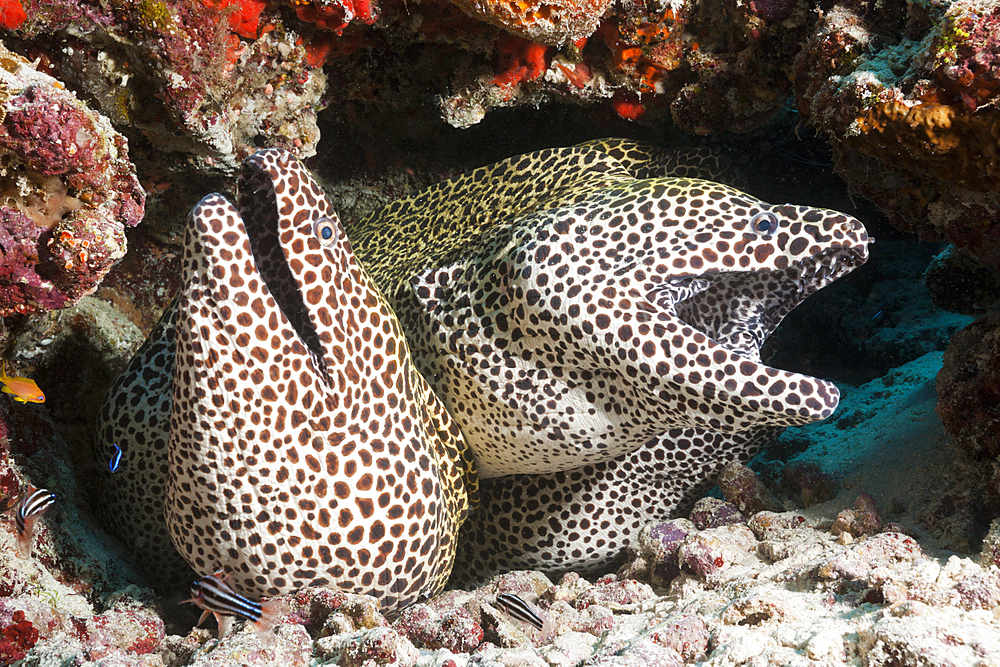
324,612
16,637
711,551
205,82
455,630
688,635
653,552
136,630
67,192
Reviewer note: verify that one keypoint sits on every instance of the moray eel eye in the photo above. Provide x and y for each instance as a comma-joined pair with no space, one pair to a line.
764,222
325,230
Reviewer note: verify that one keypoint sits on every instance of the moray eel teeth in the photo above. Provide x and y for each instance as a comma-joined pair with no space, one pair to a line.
301,449
740,310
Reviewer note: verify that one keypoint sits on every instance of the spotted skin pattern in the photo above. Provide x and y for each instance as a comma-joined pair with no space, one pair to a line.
598,338
567,322
303,447
581,520
587,321
135,415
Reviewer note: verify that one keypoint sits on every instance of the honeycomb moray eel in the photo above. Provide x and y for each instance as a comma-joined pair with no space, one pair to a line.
301,446
590,317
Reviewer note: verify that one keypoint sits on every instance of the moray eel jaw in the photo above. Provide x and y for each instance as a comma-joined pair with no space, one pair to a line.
729,308
299,449
590,329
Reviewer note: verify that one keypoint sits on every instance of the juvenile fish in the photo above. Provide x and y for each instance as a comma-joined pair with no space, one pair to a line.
29,508
520,610
214,596
116,459
23,389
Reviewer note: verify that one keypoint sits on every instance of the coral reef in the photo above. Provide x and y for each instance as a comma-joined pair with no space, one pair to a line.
969,387
67,192
554,23
960,284
911,118
179,75
904,92
741,487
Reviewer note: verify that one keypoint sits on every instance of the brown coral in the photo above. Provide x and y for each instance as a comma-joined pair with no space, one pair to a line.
943,140
968,387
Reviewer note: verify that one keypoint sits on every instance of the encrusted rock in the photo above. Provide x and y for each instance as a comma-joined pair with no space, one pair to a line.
864,519
960,284
377,646
711,513
808,484
687,635
710,551
324,612
740,486
67,192
990,552
968,386
615,594
862,558
428,629
763,523
654,551
555,22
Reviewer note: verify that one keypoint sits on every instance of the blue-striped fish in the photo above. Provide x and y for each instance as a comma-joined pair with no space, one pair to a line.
116,459
520,609
29,508
214,596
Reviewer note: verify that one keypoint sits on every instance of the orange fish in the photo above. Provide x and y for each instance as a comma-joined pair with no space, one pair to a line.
23,389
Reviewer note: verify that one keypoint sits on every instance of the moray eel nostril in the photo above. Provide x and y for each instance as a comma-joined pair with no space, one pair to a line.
589,328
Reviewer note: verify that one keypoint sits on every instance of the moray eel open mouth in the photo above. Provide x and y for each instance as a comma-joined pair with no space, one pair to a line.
259,209
740,310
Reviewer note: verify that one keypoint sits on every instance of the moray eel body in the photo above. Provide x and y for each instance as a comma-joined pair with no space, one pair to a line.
303,448
589,317
595,329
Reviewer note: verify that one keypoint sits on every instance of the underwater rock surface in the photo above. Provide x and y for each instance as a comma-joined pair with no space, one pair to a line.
67,192
777,587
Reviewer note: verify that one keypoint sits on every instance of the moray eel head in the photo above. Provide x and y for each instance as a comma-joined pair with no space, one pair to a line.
300,451
586,330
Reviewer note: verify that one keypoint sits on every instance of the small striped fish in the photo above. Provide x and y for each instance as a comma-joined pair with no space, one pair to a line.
213,595
116,459
520,610
29,508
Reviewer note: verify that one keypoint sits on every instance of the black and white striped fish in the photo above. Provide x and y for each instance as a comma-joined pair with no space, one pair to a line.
520,609
29,508
213,595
